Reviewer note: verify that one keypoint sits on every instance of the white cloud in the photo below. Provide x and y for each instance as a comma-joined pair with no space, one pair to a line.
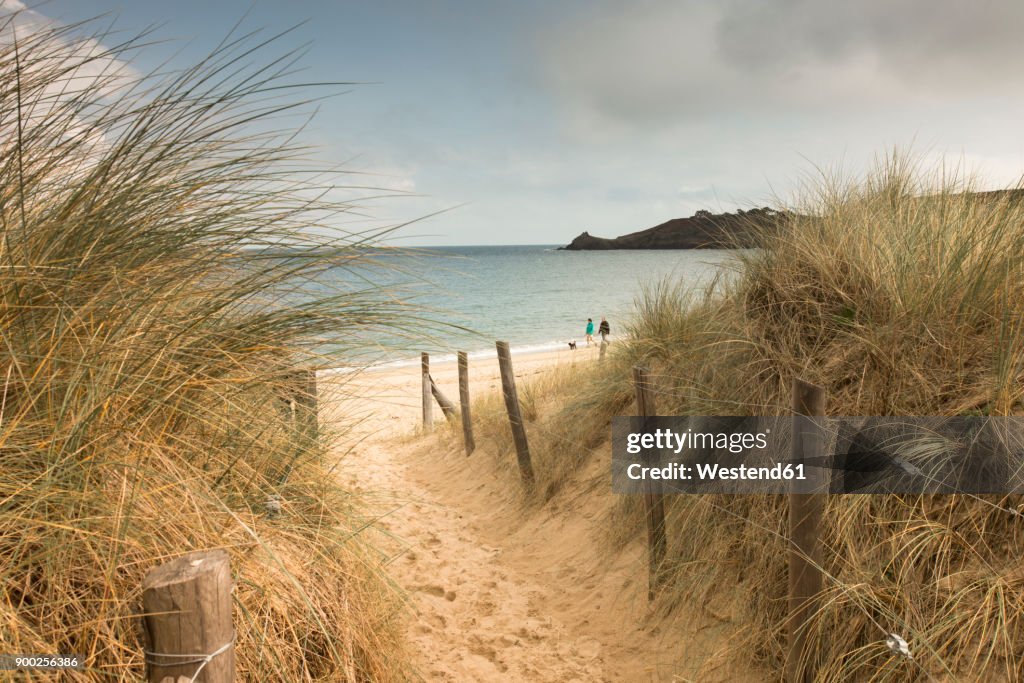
87,62
57,67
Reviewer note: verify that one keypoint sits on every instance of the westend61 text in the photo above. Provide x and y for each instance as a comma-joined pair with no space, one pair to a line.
715,472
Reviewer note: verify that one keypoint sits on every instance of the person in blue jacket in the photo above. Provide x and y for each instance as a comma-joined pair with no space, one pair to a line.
590,330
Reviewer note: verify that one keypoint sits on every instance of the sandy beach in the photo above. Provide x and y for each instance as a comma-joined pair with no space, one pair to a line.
387,399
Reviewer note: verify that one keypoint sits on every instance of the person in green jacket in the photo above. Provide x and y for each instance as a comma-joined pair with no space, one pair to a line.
590,330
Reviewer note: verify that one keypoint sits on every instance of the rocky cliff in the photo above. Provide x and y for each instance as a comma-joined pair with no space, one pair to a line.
703,230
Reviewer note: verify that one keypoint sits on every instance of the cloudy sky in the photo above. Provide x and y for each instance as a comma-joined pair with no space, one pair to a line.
533,121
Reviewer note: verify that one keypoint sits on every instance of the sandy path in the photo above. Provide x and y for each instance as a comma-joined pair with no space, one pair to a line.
474,617
497,592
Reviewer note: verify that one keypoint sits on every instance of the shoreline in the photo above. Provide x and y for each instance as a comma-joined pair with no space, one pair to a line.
527,352
389,398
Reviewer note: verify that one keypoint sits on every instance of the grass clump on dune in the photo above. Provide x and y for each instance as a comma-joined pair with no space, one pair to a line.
146,345
902,293
564,415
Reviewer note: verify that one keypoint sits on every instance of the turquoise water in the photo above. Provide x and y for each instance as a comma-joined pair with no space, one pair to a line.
534,297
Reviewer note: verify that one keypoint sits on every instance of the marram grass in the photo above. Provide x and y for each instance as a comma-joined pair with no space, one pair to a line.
902,293
146,340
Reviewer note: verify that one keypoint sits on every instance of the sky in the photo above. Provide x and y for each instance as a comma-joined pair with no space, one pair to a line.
528,122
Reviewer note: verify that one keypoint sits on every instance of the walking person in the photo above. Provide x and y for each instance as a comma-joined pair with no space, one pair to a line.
604,329
590,330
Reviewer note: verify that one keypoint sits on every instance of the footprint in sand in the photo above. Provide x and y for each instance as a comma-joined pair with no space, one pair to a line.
484,649
436,591
485,607
588,648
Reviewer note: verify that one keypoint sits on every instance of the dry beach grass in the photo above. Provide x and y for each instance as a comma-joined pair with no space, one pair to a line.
146,346
144,351
901,294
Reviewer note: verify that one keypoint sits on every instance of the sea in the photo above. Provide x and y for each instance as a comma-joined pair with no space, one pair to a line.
536,297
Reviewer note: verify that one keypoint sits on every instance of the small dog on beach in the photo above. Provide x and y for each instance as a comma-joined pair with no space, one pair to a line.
572,345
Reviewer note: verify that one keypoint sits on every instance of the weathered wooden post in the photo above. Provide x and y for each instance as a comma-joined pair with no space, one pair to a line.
515,417
187,619
447,407
805,516
467,422
428,406
654,504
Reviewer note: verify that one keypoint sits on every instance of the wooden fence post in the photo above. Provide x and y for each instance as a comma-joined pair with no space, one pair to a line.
654,504
187,619
428,406
467,422
447,407
515,417
805,516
